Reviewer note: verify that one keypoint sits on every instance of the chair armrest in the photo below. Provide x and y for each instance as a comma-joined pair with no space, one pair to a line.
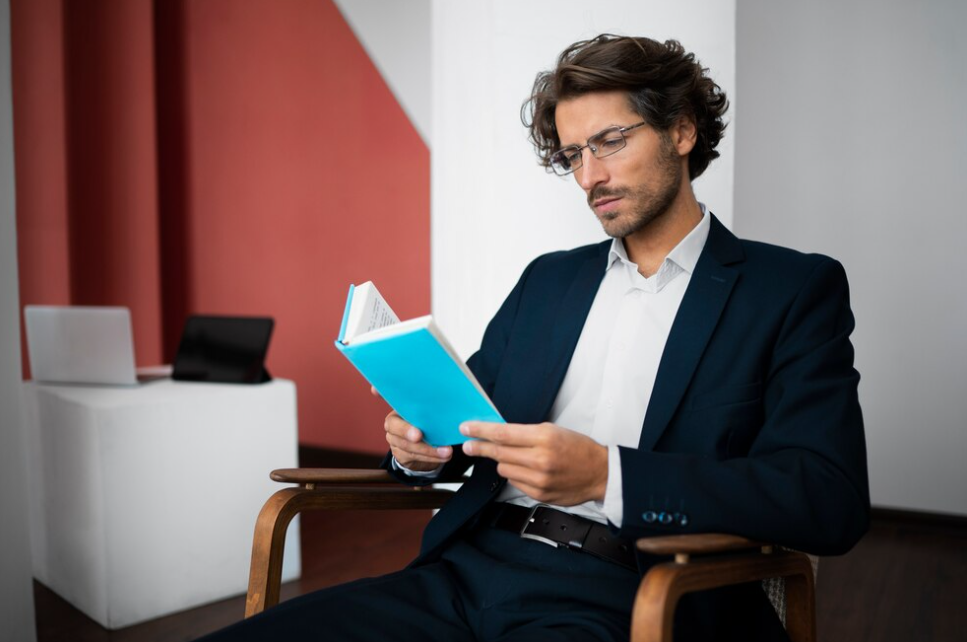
327,489
303,476
699,544
664,584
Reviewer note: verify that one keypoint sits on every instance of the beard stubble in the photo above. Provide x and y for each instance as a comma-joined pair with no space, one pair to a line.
649,204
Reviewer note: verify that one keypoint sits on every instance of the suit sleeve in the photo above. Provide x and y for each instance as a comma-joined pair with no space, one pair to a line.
803,481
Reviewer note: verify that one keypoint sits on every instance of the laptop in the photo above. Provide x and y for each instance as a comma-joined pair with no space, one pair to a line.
83,345
223,349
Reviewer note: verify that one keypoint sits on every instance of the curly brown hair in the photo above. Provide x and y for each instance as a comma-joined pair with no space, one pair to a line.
663,81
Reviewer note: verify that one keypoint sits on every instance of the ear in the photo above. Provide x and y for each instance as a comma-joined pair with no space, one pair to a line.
684,134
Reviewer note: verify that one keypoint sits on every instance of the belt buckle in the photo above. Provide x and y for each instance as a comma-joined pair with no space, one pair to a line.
531,517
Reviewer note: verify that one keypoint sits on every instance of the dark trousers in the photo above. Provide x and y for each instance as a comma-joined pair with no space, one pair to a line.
489,585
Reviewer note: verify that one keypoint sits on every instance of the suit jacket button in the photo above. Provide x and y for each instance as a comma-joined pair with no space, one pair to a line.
494,486
649,516
665,518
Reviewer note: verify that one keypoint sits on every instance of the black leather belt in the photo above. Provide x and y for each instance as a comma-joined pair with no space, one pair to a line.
562,530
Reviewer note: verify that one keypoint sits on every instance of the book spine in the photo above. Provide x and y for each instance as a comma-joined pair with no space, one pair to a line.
345,314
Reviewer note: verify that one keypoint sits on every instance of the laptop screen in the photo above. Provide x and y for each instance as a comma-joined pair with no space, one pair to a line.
78,344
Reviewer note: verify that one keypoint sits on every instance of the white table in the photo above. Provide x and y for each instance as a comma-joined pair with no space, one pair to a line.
143,500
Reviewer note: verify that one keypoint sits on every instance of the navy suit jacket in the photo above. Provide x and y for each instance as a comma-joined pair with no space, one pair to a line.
753,426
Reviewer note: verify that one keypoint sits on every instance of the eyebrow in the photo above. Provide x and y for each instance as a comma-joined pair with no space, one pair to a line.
585,141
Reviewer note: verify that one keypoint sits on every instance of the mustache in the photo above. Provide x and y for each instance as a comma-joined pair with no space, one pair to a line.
603,191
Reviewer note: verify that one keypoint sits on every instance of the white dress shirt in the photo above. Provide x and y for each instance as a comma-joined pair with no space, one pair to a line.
611,375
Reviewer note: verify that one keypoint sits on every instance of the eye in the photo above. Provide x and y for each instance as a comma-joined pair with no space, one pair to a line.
611,141
606,143
567,157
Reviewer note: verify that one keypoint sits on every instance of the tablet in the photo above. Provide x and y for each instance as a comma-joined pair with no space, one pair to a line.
223,349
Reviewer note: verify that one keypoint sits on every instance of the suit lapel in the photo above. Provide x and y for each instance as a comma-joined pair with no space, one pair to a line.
567,327
703,303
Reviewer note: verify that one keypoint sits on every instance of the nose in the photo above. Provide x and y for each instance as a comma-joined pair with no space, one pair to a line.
592,171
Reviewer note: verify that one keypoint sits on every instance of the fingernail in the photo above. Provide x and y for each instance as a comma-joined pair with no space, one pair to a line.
443,451
468,447
464,429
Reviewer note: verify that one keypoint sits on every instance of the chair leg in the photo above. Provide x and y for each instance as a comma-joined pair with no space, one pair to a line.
665,584
265,576
658,595
801,607
268,545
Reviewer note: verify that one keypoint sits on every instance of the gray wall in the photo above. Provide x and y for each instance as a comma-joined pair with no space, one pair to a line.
852,142
16,592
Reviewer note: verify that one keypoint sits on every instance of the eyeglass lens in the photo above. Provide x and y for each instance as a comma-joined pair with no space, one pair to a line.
602,144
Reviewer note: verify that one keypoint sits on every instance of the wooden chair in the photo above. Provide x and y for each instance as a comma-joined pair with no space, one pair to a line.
697,561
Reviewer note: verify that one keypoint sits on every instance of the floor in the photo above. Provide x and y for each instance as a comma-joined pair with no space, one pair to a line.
906,580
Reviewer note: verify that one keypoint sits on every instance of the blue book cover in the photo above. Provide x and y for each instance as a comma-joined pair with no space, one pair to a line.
418,373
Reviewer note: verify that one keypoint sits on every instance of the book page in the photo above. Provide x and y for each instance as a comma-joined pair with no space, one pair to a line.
368,311
392,330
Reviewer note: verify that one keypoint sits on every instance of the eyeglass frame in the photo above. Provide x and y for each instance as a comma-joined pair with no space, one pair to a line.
579,149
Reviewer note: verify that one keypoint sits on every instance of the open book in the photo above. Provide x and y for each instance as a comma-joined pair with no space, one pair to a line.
413,367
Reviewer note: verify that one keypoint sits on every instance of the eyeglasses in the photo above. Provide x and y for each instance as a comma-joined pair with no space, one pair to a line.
604,143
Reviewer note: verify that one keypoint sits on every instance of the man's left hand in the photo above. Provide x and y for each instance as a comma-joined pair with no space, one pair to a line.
549,463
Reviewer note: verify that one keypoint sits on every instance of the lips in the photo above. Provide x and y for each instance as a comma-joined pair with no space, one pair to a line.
606,204
605,198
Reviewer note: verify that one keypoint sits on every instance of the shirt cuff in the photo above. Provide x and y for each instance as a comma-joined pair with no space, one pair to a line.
417,473
613,502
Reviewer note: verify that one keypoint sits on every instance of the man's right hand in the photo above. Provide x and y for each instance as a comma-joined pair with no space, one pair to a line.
406,442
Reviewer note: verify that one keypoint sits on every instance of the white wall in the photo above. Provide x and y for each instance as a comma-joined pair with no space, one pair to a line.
494,209
854,144
16,588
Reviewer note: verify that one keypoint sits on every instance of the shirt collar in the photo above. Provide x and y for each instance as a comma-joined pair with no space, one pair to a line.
685,254
683,257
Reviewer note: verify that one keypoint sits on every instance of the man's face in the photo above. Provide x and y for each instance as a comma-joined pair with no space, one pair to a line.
630,189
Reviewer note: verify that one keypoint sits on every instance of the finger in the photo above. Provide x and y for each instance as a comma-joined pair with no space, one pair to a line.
510,434
398,426
373,390
522,475
408,460
440,454
418,447
498,452
534,492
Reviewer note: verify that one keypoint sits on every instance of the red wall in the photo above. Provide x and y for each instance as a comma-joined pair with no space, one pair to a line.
40,150
282,169
112,183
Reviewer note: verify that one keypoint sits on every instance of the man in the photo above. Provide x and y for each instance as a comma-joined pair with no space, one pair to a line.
672,380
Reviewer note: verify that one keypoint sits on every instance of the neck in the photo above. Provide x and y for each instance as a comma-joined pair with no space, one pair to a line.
649,246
